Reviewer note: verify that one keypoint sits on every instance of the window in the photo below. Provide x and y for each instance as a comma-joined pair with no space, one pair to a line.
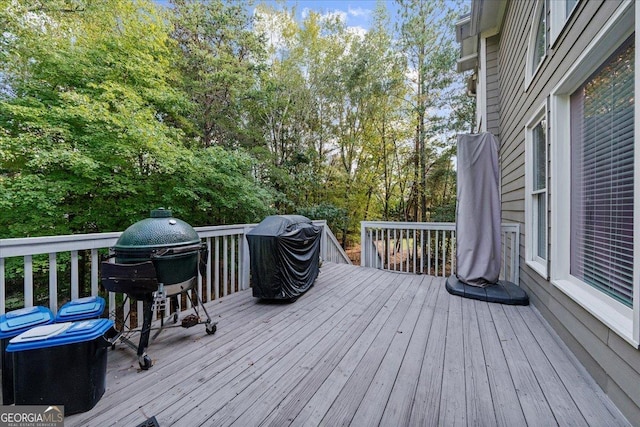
602,177
568,7
595,233
536,187
560,11
537,41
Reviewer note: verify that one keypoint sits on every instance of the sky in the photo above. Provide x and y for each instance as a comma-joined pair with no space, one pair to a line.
358,13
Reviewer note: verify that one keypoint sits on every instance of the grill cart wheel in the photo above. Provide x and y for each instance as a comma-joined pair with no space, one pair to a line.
211,328
145,362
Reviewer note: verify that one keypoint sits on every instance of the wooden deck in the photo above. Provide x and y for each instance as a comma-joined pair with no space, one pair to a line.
363,347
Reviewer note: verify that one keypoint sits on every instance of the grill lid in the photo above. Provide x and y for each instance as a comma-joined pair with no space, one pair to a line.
160,230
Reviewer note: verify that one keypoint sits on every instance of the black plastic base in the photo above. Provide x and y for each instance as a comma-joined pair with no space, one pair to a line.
502,292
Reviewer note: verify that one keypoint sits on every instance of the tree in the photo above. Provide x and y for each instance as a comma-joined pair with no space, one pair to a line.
91,127
221,57
425,31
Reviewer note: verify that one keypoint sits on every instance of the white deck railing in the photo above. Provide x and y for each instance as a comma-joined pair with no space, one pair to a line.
427,247
228,264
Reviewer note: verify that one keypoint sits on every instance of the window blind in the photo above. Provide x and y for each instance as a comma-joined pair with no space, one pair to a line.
602,150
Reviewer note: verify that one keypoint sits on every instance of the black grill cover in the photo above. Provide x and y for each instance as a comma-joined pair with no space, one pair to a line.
285,256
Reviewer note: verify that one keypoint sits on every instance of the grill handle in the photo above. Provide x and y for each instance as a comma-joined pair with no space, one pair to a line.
177,251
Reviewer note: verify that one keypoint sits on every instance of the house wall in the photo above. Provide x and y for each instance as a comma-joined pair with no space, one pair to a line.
493,88
613,363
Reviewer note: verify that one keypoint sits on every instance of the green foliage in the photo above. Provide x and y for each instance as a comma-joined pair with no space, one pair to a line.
217,187
220,58
111,108
91,132
335,217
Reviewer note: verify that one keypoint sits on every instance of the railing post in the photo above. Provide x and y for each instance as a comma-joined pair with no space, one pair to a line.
2,287
323,242
363,244
246,259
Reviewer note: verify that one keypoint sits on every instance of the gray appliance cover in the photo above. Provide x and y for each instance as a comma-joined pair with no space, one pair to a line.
478,254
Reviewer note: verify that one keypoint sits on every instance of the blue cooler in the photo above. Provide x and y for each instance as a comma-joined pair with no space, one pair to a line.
62,364
81,309
13,324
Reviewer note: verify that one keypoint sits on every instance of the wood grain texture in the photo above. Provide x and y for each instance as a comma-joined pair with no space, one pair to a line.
362,347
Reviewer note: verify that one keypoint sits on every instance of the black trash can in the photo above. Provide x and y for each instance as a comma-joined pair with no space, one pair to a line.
13,324
285,256
62,364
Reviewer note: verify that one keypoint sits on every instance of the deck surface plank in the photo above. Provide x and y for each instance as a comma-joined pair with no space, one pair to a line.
535,405
452,398
426,405
362,347
401,398
478,393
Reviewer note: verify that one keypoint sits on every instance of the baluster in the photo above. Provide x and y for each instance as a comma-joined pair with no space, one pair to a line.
444,255
225,265
415,250
53,282
233,263
94,271
112,298
377,251
422,251
401,249
139,312
75,292
436,252
209,269
28,281
216,262
2,288
428,251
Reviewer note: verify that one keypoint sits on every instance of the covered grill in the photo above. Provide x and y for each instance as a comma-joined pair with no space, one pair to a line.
285,256
155,259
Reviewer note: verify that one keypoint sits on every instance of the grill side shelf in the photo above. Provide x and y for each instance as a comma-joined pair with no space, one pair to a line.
129,278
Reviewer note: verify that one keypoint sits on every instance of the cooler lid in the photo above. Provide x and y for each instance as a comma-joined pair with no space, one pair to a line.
82,308
42,332
60,334
17,321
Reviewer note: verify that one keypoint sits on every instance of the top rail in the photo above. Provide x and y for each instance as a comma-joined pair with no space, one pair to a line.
70,264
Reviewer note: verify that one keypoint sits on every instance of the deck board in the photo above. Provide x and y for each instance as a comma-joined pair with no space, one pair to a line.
362,347
479,407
